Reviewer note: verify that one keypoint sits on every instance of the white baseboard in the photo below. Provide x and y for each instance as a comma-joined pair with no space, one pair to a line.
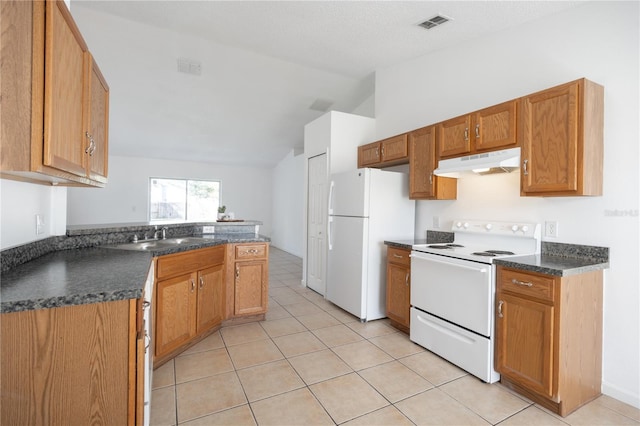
621,394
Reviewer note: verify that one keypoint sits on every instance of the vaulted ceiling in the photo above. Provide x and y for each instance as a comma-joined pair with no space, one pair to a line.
258,71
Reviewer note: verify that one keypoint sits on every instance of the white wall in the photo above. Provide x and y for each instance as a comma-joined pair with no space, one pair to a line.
597,40
288,204
20,202
246,191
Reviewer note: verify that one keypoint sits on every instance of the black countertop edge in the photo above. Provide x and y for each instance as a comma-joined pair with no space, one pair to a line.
193,227
558,266
404,244
72,300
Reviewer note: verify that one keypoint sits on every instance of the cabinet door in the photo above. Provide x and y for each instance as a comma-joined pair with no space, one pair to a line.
210,311
394,149
369,154
64,81
175,313
423,184
495,127
250,288
398,293
453,136
550,140
96,121
524,342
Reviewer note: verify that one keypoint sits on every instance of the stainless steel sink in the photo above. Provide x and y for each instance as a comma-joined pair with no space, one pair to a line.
159,244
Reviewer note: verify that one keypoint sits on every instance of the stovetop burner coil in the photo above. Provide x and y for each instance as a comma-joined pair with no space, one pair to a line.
447,246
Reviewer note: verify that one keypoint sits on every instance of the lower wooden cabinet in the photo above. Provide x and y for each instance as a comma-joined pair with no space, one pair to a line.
189,298
398,287
248,284
74,364
549,337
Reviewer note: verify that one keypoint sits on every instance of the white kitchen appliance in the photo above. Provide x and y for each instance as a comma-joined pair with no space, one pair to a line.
453,290
366,207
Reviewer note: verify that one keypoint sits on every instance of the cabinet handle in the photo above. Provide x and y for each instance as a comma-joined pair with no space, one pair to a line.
466,133
397,255
523,283
525,171
431,178
146,304
382,151
406,279
201,282
500,303
237,272
477,131
92,144
377,152
193,285
147,340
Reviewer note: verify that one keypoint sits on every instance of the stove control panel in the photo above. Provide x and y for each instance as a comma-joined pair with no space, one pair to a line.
520,229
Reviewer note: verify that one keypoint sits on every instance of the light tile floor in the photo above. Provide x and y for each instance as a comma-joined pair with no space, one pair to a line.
310,363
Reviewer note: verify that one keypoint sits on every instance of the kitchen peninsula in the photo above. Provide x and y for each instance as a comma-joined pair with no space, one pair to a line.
73,312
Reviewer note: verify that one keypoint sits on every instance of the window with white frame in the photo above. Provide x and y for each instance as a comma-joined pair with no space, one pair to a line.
183,199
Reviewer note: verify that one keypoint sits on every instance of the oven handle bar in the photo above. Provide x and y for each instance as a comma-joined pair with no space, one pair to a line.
432,259
441,329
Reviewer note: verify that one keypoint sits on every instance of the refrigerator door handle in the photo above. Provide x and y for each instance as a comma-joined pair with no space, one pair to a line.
330,203
330,232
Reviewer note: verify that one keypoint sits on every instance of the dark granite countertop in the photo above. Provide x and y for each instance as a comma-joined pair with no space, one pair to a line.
74,277
57,275
557,259
559,266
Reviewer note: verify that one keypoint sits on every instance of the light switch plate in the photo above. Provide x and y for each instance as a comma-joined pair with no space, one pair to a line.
39,224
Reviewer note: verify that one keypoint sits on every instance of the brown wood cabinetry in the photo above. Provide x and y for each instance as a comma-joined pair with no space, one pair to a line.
562,140
398,287
387,152
189,299
71,364
485,130
55,99
423,184
549,337
248,282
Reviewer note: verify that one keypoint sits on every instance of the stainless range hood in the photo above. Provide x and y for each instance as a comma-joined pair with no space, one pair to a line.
504,161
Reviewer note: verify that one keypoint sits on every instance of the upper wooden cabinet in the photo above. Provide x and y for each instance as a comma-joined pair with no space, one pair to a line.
388,152
562,140
55,100
485,130
423,184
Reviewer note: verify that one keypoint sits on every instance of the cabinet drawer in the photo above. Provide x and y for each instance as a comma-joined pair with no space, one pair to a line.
251,251
537,286
399,256
189,261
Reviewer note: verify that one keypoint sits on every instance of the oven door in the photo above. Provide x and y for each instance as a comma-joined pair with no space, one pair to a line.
458,291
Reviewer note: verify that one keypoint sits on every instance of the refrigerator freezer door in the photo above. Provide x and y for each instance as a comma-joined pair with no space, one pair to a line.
349,193
347,264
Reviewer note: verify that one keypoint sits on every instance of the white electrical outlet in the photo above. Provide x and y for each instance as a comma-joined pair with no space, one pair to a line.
551,229
39,224
208,229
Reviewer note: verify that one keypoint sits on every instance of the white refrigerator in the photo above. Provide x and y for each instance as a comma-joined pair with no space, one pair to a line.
366,207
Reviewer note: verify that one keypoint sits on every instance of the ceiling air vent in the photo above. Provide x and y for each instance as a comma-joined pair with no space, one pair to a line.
189,66
434,21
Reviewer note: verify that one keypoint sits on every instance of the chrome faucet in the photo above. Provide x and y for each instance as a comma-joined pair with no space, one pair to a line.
163,233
